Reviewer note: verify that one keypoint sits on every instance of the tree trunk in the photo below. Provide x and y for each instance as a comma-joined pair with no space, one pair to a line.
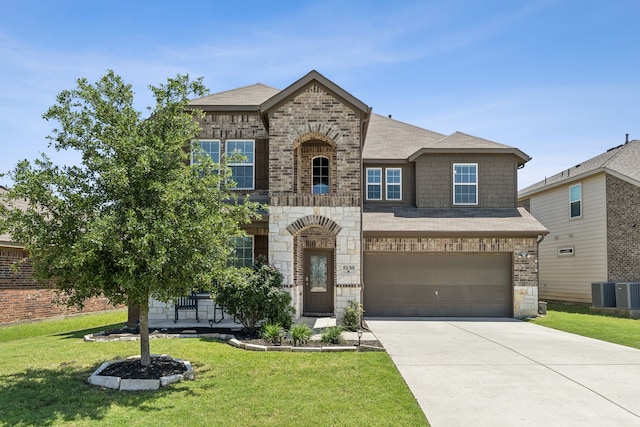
145,354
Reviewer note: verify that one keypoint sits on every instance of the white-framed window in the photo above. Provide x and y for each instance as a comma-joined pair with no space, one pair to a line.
243,251
211,147
465,183
320,175
374,183
575,201
394,183
242,172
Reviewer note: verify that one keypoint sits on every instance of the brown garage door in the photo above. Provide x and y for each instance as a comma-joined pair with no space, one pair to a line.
418,284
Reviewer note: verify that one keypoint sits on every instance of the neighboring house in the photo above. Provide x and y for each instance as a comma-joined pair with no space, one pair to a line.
362,207
22,298
592,211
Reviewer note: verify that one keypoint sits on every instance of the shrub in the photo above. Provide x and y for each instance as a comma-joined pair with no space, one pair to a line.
333,335
352,318
271,332
300,334
255,295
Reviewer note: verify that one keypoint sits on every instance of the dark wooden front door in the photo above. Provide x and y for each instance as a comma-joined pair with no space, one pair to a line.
318,282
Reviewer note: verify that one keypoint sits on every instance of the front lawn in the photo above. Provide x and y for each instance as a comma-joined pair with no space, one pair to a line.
44,368
577,319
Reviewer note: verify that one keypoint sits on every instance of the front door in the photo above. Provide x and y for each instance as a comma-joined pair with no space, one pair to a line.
318,282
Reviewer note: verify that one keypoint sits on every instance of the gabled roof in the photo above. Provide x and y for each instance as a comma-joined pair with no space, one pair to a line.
459,142
322,80
380,221
389,139
244,98
621,161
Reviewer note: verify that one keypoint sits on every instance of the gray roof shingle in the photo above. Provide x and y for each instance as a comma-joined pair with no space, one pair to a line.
391,139
253,95
622,160
462,221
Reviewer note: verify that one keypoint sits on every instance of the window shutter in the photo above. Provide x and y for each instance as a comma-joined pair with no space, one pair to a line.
262,164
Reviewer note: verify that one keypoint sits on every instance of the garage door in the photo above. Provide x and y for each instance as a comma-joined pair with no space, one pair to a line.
418,284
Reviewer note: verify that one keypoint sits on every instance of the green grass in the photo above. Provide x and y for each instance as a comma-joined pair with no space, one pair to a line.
44,368
577,319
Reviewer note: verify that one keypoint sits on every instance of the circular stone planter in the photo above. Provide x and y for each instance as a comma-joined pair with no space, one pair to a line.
118,383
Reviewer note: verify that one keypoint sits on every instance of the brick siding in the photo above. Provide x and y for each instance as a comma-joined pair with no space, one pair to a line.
23,299
623,230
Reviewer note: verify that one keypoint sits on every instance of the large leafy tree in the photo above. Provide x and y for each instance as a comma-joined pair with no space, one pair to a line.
136,218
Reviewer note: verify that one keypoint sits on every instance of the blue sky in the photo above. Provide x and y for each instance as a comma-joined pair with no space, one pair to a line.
559,79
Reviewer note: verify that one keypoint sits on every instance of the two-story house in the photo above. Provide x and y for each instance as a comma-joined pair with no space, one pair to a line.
593,216
363,207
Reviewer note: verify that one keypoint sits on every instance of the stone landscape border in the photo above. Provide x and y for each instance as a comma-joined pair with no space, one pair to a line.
117,383
234,342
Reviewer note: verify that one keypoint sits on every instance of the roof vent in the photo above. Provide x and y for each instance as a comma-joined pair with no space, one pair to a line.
627,141
392,117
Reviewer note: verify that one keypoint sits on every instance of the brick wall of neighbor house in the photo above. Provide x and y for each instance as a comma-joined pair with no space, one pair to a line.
524,252
496,180
526,203
623,230
22,299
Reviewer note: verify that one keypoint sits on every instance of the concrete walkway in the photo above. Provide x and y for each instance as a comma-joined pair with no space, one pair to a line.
506,372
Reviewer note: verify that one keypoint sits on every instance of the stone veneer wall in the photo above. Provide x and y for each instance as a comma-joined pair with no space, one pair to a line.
524,252
623,230
23,299
283,249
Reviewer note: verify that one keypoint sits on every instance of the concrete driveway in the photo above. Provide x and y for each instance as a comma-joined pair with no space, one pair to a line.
506,372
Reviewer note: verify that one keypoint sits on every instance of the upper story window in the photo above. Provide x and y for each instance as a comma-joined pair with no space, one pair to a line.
242,172
320,175
243,251
465,183
211,148
394,183
374,183
575,201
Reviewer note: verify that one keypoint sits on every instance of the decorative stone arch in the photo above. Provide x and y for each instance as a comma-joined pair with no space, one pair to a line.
314,221
315,131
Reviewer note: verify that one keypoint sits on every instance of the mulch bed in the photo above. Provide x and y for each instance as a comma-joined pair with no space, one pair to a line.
133,369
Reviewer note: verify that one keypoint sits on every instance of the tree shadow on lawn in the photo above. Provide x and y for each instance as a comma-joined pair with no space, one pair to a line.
82,333
45,397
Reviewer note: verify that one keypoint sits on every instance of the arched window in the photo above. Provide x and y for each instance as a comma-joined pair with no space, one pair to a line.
320,178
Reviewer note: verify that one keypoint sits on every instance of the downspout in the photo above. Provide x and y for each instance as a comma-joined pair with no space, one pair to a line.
363,132
538,241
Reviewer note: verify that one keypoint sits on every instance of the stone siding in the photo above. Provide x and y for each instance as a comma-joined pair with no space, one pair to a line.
623,230
333,228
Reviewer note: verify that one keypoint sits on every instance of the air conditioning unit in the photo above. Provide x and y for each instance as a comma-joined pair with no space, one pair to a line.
628,295
603,294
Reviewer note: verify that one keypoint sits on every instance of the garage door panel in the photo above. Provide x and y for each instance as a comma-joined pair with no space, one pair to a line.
412,284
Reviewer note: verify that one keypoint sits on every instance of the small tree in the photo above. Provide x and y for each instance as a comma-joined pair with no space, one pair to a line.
135,219
255,295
